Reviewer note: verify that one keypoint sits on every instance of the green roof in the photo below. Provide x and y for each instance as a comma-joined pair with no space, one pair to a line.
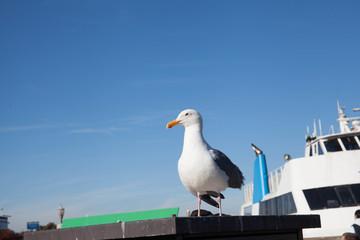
122,217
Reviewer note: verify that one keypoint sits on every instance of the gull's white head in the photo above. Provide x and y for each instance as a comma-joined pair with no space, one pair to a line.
186,118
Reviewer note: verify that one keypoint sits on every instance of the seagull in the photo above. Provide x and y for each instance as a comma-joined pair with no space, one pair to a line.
205,172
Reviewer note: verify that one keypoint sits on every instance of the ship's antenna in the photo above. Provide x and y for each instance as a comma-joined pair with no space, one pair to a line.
314,133
320,127
343,121
331,128
340,109
308,131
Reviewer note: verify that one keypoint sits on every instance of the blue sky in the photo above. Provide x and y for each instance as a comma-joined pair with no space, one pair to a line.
87,88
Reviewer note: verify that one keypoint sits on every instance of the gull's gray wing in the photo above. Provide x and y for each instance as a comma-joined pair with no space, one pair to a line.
236,178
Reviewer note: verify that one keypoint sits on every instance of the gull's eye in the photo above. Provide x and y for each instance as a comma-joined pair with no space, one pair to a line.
186,114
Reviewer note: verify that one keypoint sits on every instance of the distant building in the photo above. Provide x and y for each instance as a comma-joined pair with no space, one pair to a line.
4,222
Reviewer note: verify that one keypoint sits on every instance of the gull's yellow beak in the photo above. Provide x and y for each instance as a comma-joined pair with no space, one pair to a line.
173,123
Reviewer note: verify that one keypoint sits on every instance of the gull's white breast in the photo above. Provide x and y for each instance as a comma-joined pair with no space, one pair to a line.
199,173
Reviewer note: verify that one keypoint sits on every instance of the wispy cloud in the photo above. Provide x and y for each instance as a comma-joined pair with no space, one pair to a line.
184,64
158,82
136,120
132,189
119,125
102,127
64,183
29,127
109,130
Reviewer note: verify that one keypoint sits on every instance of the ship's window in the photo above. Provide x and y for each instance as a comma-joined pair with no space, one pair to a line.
280,205
328,194
311,151
262,208
345,196
286,204
332,145
355,189
268,207
350,143
272,206
321,198
313,198
247,211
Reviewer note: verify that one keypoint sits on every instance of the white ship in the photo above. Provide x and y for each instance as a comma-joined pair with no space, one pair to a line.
326,181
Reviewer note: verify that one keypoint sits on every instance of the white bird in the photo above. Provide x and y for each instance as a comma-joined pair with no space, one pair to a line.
205,172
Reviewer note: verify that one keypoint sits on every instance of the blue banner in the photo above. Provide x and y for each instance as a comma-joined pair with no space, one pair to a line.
33,225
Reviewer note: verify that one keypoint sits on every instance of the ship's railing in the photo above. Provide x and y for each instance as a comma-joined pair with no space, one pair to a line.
248,191
274,178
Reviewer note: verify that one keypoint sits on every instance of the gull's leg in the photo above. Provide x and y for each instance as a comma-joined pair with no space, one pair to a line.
219,201
199,203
